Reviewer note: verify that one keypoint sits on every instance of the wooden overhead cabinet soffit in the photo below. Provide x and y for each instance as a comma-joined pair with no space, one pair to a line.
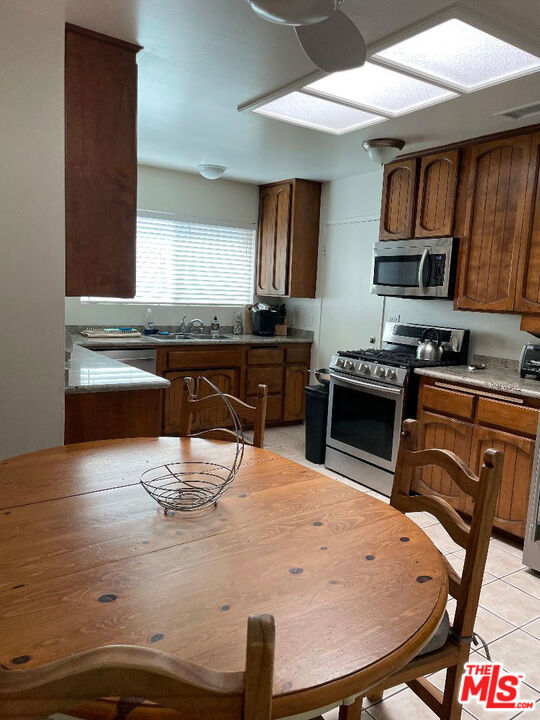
101,164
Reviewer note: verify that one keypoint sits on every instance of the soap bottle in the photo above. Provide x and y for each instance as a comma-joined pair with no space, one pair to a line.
214,328
148,323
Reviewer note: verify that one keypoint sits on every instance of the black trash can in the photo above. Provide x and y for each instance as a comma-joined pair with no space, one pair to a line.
316,411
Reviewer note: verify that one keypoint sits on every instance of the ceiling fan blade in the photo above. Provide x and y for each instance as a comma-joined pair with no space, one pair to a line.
334,44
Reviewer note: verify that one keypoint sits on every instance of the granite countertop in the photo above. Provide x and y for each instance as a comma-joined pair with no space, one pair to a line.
149,341
92,372
498,379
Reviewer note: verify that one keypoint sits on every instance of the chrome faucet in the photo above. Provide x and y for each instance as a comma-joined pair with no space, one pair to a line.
186,328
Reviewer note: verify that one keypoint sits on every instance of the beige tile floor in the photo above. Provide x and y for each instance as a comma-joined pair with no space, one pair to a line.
508,617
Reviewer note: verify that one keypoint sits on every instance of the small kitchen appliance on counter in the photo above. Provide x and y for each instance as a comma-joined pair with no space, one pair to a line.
264,319
371,393
529,362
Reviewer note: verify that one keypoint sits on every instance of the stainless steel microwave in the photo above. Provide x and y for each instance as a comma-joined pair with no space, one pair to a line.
420,268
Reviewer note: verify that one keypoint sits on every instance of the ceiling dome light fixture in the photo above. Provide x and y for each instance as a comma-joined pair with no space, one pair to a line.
211,172
383,150
299,12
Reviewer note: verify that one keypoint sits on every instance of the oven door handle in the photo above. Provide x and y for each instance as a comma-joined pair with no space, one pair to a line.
421,267
369,385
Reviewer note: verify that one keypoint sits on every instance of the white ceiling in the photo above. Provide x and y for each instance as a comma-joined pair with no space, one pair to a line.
202,58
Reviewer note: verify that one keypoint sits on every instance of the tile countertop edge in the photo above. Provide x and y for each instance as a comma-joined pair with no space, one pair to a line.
499,379
91,372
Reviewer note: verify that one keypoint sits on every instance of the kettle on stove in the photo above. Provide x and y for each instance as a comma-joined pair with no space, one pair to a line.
429,345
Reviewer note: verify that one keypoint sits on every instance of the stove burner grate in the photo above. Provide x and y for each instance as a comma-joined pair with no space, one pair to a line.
394,358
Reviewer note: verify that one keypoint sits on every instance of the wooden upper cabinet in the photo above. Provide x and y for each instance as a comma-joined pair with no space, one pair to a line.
437,194
399,200
494,215
288,238
528,281
274,238
101,164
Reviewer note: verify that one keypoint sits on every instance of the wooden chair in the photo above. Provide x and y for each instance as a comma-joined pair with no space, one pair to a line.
449,648
190,691
255,415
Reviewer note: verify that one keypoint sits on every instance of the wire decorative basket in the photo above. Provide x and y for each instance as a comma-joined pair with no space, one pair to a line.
193,485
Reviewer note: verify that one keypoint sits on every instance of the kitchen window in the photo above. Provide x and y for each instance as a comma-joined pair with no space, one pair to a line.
191,262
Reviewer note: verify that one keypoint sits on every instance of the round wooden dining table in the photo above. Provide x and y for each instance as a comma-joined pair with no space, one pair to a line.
88,559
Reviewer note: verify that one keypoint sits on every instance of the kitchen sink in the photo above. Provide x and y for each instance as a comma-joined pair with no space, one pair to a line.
188,336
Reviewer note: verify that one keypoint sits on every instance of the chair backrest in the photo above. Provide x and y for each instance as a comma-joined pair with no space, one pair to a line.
193,691
252,415
474,538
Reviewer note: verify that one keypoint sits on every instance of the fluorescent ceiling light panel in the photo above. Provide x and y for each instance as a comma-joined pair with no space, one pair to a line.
380,89
318,114
460,55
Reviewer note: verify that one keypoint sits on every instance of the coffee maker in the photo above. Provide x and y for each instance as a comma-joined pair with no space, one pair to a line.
264,319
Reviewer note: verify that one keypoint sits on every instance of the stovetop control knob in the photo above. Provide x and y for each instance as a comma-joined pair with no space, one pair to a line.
379,371
340,362
349,365
391,374
364,368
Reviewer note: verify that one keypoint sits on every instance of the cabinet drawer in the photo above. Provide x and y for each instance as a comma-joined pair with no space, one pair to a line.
299,355
523,420
274,406
208,358
449,402
270,376
265,356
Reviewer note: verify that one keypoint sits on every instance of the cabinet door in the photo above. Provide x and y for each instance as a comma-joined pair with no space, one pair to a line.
511,512
296,377
437,194
101,164
446,434
227,380
274,237
528,284
399,200
493,223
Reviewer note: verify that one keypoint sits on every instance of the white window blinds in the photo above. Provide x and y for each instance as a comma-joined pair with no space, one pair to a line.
188,262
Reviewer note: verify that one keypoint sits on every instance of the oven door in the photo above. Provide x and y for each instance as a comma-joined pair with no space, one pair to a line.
414,268
364,419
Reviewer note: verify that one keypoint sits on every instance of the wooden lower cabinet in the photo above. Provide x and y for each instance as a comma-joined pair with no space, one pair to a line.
112,415
296,378
226,379
511,512
237,370
447,434
505,423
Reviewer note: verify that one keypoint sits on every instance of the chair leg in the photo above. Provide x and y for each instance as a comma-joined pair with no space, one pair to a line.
451,707
374,696
351,712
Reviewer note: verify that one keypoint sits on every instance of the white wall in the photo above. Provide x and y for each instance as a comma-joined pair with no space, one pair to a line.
348,313
185,194
32,229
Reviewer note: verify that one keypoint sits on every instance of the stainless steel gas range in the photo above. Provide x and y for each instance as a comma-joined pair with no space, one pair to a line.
372,392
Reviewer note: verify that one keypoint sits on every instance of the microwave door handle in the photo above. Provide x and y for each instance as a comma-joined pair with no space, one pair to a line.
421,267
